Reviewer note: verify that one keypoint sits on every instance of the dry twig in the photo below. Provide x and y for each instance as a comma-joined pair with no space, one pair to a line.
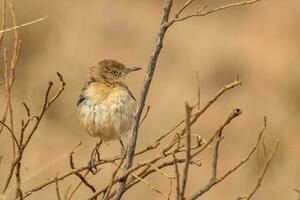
57,190
188,151
132,173
262,173
23,25
202,13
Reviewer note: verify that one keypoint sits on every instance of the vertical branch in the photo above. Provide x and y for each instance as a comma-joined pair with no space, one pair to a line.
16,52
177,176
57,188
198,90
263,172
141,103
259,144
16,163
9,74
5,79
188,150
3,21
106,195
213,178
214,164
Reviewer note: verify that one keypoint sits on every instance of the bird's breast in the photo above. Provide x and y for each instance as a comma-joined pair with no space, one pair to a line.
107,114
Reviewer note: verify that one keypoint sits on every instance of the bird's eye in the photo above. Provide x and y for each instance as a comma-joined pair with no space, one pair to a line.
114,72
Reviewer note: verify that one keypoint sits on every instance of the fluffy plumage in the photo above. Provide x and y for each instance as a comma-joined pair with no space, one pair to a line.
106,107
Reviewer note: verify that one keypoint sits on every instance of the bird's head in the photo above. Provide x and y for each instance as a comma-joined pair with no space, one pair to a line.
110,71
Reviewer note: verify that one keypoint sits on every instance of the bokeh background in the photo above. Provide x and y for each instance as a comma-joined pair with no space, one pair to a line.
259,42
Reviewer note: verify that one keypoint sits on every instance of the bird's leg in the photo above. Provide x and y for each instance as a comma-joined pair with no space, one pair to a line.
122,146
95,156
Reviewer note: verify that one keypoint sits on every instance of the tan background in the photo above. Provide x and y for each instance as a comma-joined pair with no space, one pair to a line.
260,42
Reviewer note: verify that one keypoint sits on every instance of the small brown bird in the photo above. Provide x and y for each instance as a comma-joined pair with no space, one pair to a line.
106,106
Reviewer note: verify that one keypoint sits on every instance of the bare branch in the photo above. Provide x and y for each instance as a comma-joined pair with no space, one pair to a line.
147,83
145,116
107,193
57,189
188,150
263,172
177,176
235,113
81,177
189,2
17,159
212,183
198,13
27,109
259,141
203,109
132,174
170,189
11,133
152,187
198,90
23,25
3,21
147,172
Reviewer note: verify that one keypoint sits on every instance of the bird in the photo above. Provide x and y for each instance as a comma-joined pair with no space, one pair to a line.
106,106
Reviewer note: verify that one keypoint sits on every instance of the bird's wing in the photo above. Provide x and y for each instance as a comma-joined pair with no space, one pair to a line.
129,92
82,97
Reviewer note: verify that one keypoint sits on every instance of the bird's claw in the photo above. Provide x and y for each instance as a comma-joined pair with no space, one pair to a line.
122,147
95,157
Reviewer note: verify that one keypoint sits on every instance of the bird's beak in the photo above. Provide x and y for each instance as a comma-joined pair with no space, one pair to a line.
132,69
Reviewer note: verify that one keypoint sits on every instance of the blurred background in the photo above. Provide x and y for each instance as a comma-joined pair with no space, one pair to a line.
260,42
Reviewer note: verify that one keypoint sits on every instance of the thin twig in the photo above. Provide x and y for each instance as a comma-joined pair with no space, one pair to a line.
259,141
11,133
152,187
170,189
198,13
161,172
234,113
211,183
146,173
23,25
3,21
81,177
145,116
263,172
5,75
45,106
67,192
210,102
107,193
57,189
198,90
189,2
177,176
188,151
27,109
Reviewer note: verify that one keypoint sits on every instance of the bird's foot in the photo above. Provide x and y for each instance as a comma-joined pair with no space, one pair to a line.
95,157
122,147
